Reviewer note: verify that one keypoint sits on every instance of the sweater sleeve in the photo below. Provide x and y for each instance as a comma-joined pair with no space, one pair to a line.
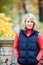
40,43
15,46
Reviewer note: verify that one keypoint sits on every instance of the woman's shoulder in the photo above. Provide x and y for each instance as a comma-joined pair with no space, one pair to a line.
37,31
17,34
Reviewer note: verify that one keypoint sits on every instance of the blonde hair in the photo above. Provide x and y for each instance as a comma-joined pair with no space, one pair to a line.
32,18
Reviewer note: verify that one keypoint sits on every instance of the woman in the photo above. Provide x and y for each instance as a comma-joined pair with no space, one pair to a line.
28,43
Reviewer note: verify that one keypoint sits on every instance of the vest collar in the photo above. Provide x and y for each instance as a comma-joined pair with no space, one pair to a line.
24,32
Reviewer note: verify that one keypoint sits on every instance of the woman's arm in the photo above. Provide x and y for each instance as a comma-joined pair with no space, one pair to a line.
15,46
40,43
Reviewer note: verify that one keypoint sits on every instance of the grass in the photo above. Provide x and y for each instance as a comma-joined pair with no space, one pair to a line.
41,24
41,28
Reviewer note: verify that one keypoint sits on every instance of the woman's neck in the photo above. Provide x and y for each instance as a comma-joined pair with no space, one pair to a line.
28,32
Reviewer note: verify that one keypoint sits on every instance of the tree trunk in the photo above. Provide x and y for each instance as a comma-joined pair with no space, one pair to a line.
40,5
24,6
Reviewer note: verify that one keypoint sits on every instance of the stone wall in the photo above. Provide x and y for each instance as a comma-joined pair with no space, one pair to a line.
6,52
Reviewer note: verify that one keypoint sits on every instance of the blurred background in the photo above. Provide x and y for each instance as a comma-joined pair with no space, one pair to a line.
11,15
15,10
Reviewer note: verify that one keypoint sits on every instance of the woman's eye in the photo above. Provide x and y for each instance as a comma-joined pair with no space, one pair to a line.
31,21
28,21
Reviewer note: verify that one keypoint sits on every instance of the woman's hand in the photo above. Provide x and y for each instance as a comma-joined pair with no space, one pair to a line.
40,62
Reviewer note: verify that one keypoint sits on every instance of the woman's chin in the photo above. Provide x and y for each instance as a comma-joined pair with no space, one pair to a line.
29,28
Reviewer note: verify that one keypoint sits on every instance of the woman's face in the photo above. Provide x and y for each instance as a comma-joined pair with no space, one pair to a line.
29,24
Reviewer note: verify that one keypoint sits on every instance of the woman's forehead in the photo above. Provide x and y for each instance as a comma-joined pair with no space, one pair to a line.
28,19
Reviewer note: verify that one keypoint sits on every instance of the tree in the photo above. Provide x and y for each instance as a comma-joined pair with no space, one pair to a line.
24,6
6,6
40,4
